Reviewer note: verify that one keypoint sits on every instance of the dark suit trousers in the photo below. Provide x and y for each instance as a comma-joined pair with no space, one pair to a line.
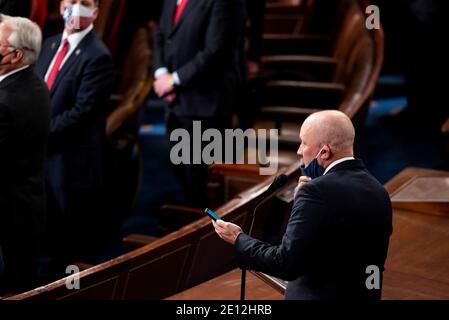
193,177
20,273
75,225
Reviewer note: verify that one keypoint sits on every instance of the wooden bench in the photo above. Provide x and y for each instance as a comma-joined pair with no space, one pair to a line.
109,21
174,263
227,287
356,66
287,17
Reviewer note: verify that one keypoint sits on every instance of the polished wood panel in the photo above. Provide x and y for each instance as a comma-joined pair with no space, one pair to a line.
176,262
402,286
418,259
227,287
412,181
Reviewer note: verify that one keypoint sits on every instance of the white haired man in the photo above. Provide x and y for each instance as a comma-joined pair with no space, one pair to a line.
24,123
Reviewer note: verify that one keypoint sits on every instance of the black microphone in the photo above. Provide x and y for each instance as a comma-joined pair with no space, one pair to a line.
278,183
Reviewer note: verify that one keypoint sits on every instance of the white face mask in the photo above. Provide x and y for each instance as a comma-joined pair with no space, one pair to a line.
78,17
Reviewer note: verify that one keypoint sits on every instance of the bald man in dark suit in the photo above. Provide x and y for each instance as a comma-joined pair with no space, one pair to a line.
340,224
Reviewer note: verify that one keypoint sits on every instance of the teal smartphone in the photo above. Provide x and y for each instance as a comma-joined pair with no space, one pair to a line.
212,214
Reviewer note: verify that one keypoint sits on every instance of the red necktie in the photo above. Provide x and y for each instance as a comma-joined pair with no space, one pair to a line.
179,9
57,65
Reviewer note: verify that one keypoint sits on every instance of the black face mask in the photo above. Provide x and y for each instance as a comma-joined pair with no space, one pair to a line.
3,56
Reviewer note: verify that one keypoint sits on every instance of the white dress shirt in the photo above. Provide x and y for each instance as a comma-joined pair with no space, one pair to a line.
74,40
333,164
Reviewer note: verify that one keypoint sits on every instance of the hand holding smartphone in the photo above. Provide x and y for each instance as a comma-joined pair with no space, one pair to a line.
212,214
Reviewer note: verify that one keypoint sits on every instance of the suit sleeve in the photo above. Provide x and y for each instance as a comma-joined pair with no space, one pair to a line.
158,42
287,261
219,33
5,124
95,87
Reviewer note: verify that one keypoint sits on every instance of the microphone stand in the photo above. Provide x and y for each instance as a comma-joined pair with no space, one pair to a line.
243,285
243,280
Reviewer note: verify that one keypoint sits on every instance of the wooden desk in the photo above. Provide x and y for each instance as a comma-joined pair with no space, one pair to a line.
417,265
227,287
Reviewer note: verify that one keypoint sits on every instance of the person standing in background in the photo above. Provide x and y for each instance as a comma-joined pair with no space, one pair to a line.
24,123
256,17
197,72
79,73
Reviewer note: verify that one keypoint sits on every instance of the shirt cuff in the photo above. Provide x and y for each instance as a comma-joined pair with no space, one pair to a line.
159,72
176,78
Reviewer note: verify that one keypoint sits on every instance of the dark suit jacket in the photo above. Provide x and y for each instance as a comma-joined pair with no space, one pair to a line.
2,264
20,8
78,115
24,121
256,15
201,47
340,224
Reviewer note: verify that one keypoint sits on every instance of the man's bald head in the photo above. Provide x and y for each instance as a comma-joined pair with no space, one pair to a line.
332,128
